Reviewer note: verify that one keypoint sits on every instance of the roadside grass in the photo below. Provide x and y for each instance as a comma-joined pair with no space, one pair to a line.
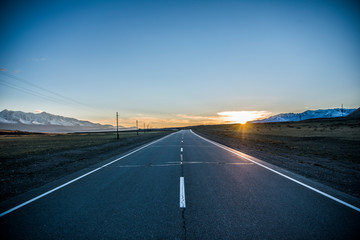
326,150
344,129
336,139
24,145
31,160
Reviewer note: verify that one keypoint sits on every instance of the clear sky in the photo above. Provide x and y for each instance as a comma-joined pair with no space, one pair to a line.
175,63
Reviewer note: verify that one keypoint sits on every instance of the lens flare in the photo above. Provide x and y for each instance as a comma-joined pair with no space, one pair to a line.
242,116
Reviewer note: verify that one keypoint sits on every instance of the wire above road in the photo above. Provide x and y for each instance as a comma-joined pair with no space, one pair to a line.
33,89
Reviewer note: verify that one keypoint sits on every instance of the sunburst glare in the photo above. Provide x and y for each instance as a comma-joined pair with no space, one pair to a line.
242,116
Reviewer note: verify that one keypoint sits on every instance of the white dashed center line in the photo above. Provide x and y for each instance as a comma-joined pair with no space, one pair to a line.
182,193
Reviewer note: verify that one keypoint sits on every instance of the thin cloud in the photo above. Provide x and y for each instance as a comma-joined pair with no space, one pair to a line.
3,69
39,59
183,120
178,120
195,117
242,116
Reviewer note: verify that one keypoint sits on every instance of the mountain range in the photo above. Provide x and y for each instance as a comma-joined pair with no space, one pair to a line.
46,122
309,114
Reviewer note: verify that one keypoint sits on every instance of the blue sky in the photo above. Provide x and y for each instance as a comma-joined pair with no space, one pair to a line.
178,62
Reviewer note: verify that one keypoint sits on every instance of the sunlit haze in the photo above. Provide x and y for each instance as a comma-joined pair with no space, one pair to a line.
243,116
178,63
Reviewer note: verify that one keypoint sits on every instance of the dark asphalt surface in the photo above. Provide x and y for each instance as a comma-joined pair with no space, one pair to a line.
137,197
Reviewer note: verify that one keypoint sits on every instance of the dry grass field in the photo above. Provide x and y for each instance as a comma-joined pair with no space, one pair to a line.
31,160
325,150
14,146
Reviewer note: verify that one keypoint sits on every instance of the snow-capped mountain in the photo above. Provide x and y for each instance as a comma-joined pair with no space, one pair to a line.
46,122
310,114
355,114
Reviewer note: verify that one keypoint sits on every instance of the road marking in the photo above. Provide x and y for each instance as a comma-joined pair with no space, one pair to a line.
164,165
130,166
78,178
237,163
169,164
146,165
181,149
279,173
182,193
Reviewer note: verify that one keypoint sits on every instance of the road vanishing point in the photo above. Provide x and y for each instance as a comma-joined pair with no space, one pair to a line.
182,186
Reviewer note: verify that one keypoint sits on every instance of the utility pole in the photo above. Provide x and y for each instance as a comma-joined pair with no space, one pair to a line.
144,127
342,110
137,128
117,125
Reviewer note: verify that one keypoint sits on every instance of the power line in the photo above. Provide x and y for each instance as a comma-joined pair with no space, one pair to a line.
28,91
49,95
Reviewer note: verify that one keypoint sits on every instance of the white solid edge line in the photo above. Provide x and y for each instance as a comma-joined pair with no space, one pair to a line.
182,193
82,176
281,174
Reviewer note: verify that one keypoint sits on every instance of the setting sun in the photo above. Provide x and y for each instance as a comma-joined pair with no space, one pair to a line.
242,116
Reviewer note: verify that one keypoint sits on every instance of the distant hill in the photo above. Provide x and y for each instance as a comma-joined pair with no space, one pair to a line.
310,114
354,114
46,122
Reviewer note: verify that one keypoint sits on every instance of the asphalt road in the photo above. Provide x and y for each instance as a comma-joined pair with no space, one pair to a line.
140,196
